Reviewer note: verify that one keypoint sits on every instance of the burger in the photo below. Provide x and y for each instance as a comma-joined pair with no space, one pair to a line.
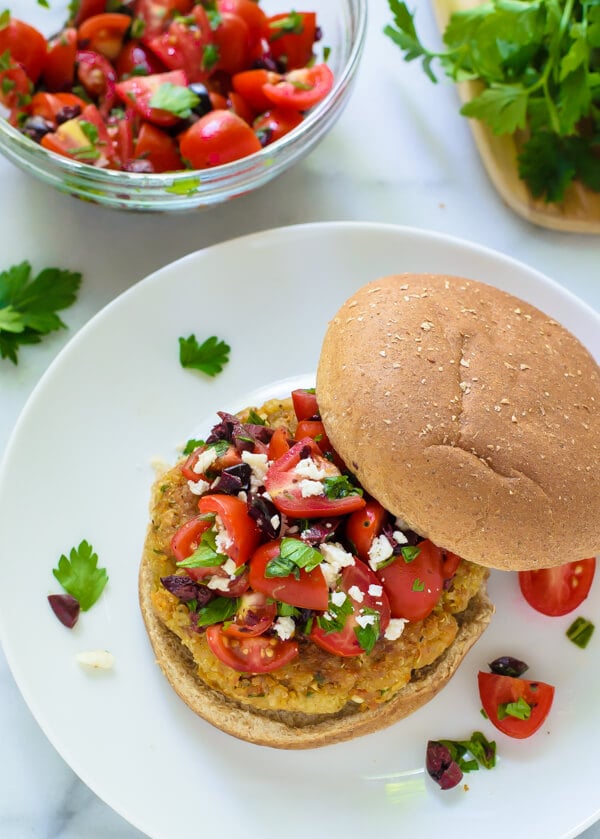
315,569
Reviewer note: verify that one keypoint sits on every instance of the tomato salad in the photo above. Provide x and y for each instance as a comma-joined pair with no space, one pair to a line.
155,86
285,548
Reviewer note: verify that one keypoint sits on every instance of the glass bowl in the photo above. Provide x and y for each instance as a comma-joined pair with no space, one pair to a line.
343,24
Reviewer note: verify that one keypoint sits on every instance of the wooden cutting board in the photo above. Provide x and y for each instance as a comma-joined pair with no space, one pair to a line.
579,212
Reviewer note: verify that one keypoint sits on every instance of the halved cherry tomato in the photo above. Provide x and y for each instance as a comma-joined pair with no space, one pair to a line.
260,654
187,46
250,85
275,124
122,133
316,430
279,443
59,67
363,526
309,591
154,14
104,33
239,106
186,538
241,529
285,487
251,13
98,77
496,690
231,457
557,591
137,92
414,587
232,40
254,616
300,89
218,137
291,37
25,45
135,59
305,404
345,642
450,563
160,149
15,89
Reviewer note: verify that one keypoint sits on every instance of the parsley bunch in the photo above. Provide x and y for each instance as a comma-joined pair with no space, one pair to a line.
539,64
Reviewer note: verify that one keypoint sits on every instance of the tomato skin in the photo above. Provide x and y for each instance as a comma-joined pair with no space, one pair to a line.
279,444
300,89
250,655
251,13
230,458
308,592
137,58
316,430
159,148
495,690
67,139
88,8
275,124
292,49
305,404
218,137
20,86
254,616
241,529
104,33
560,590
364,525
283,485
137,93
155,14
59,67
344,642
401,580
186,538
182,47
26,46
48,105
98,77
232,39
250,84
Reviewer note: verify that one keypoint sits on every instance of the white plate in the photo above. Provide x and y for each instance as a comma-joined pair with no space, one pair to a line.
78,466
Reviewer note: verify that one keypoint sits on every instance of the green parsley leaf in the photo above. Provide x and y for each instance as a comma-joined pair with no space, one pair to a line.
367,635
410,552
284,610
418,585
206,554
482,750
192,445
254,418
520,709
28,307
210,357
292,24
4,19
294,554
340,487
580,632
334,619
44,3
175,99
218,610
80,576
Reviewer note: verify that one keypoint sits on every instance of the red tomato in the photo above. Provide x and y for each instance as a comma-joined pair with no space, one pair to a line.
275,124
345,641
414,587
48,105
217,138
231,457
122,134
137,92
71,140
59,68
450,563
283,484
136,59
250,655
26,46
88,8
316,430
232,40
251,13
497,690
239,106
250,85
254,616
363,526
305,404
300,89
155,14
557,591
15,88
160,149
187,47
279,444
291,38
98,77
187,538
309,591
241,529
104,34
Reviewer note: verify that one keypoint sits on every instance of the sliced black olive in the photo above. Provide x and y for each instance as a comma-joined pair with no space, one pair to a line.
204,106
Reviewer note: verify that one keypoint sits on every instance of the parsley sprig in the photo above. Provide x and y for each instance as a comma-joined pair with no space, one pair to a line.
80,576
210,357
539,64
28,307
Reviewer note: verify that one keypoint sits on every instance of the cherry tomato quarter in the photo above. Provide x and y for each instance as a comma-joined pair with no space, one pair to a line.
414,587
256,613
59,66
559,590
186,538
137,92
305,404
308,591
258,654
291,37
300,89
241,529
363,526
26,46
104,34
498,692
159,148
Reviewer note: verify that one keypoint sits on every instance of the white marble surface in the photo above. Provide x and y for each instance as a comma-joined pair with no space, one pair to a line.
399,154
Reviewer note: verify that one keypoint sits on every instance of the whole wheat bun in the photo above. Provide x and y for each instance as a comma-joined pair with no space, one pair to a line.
471,415
285,730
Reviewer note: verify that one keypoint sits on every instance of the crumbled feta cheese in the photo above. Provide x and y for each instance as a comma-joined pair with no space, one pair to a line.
307,468
96,659
257,462
395,628
380,550
205,459
266,496
285,627
198,487
334,554
400,537
365,620
308,489
375,591
401,524
243,496
217,583
275,522
222,538
229,567
356,594
338,598
330,574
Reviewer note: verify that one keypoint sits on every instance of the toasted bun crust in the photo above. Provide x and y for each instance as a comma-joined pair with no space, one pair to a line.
470,414
286,730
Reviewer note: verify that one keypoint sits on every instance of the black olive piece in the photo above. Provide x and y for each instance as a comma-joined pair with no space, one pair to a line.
67,113
36,127
204,106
